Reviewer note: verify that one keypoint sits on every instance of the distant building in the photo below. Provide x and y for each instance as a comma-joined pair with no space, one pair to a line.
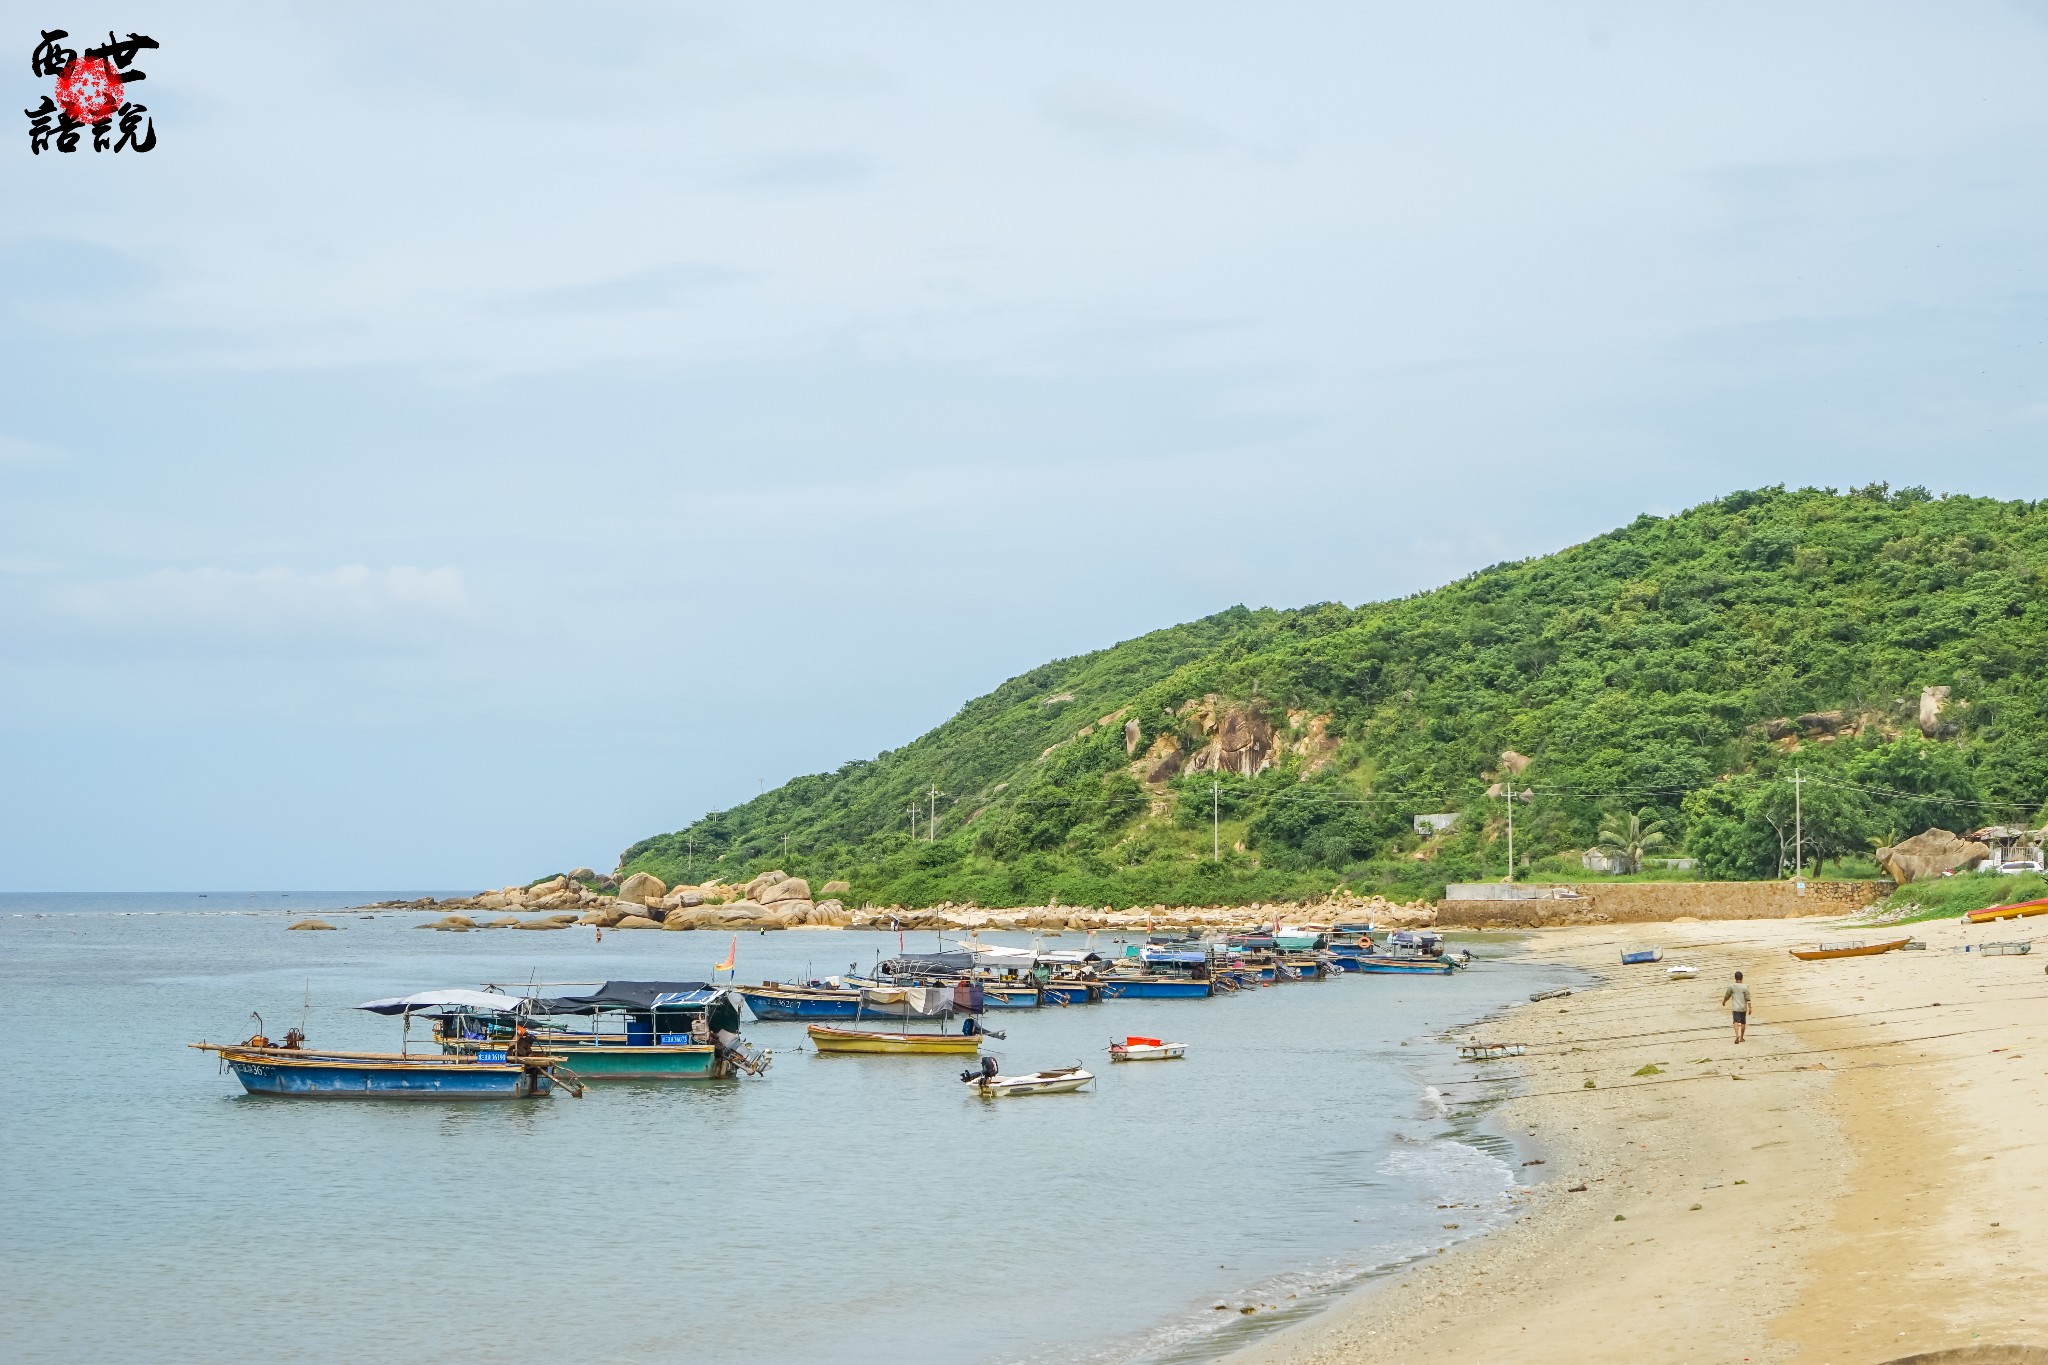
1426,825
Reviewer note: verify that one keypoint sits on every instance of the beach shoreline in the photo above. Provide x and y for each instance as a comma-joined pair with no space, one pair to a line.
1794,1199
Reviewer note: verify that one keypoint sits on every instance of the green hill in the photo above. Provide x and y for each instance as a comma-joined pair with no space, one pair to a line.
1678,669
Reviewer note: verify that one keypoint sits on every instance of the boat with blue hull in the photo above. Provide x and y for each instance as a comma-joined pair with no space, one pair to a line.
1011,995
1405,966
1070,991
1154,988
771,1000
665,1031
490,1075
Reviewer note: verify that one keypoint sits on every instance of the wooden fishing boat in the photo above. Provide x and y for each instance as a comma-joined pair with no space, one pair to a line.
772,1000
1141,987
1486,1052
1822,952
2022,910
1377,965
826,1038
1071,990
1011,995
1061,1081
669,1031
488,1075
1134,1049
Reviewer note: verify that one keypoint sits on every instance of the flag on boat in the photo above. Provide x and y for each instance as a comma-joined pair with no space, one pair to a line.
731,956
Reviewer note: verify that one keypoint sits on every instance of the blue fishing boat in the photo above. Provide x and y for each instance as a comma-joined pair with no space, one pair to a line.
1071,990
1405,966
1636,957
1011,995
1160,974
664,1031
773,1000
1412,952
486,1075
1118,987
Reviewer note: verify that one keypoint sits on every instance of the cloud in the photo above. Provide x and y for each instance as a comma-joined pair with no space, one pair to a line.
352,605
1124,123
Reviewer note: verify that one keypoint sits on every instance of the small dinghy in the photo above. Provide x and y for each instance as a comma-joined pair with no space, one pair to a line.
1636,957
1059,1081
1681,973
1146,1050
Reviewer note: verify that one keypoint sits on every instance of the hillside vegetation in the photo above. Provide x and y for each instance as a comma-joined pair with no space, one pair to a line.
1677,670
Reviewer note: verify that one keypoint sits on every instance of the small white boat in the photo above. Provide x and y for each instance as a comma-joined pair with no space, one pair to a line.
1146,1050
1681,973
1063,1081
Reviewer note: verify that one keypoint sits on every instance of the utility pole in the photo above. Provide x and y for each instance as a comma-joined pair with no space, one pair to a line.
1511,831
1798,833
931,819
1215,822
691,865
913,822
785,848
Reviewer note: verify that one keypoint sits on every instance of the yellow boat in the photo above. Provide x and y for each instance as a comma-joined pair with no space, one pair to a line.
1999,912
827,1039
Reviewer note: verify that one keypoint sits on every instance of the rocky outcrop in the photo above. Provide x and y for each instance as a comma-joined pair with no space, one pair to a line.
835,888
643,888
637,922
1512,763
310,924
1241,739
547,888
1929,854
1933,701
1133,735
582,874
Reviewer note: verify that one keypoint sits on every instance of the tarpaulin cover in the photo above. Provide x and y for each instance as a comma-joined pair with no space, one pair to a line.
635,995
490,1001
910,1002
1152,955
929,964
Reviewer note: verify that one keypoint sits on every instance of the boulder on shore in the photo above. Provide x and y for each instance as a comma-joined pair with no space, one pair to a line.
637,922
548,887
788,889
310,924
1929,854
642,889
582,874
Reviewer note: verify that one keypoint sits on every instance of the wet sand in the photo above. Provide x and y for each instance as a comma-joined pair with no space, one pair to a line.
1861,1180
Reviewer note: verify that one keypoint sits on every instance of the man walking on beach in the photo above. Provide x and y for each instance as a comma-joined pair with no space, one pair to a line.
1737,998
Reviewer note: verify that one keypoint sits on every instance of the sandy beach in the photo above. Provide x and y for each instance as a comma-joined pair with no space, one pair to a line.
1860,1181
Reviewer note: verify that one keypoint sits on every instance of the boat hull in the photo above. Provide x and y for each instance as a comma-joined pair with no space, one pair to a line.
780,1005
1155,989
1009,997
1009,1087
1860,950
314,1078
1998,912
1163,1052
1404,966
1070,993
826,1039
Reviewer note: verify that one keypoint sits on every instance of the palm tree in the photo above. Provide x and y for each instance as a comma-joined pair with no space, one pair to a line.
1629,838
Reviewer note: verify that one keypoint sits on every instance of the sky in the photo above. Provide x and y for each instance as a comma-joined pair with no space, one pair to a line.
480,436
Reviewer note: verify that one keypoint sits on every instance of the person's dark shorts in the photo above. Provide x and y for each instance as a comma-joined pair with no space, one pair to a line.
1742,1016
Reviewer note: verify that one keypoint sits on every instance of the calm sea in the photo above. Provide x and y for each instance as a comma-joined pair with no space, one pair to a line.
853,1209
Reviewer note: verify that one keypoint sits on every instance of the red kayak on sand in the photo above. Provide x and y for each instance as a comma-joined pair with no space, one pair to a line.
1999,912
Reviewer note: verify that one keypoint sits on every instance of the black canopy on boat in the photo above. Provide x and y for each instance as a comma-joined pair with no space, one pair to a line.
718,1003
635,995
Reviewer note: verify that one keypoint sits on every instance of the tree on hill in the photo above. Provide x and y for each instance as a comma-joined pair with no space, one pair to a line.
1629,837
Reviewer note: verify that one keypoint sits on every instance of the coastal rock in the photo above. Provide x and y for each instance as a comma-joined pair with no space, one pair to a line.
552,922
310,924
1134,734
490,900
835,888
677,920
754,888
830,913
637,922
642,888
1929,854
789,889
600,918
548,887
582,874
503,922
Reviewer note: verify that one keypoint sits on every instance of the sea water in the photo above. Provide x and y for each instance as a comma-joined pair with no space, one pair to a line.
853,1209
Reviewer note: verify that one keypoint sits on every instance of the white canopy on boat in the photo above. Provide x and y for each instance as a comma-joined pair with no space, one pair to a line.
431,1000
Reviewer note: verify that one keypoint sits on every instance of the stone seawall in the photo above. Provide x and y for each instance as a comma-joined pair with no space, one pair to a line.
1639,902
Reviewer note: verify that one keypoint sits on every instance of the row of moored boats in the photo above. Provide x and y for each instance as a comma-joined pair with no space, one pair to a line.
497,1044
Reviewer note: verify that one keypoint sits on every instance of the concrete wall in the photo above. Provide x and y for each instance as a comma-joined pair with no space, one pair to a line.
1639,902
